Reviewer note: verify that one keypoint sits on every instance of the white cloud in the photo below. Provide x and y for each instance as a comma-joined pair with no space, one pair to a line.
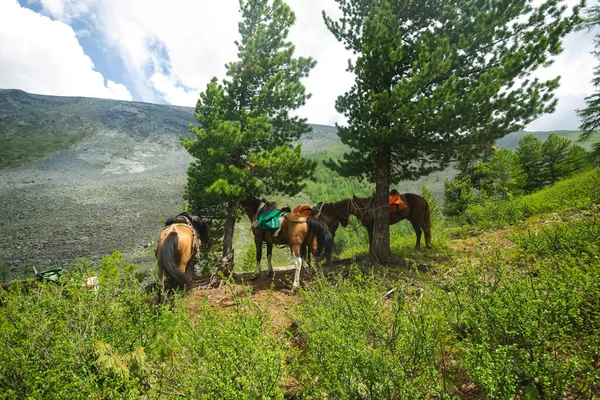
575,66
66,9
171,50
44,56
329,79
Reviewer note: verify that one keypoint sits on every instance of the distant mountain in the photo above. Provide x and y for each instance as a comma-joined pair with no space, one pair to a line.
35,126
511,141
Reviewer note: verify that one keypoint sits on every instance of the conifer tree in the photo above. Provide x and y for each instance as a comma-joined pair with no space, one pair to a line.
529,151
244,137
590,116
561,158
438,78
501,177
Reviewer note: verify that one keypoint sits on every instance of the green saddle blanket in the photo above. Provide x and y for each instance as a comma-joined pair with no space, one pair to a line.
269,219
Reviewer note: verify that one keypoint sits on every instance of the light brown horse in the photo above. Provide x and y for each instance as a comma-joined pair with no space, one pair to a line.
177,250
416,211
295,231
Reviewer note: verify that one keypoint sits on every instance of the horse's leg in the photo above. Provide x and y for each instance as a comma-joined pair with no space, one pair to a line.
298,264
314,250
427,232
258,243
269,256
161,284
417,229
305,254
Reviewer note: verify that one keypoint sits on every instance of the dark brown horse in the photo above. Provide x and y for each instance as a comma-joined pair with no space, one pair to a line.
333,214
416,211
295,231
178,245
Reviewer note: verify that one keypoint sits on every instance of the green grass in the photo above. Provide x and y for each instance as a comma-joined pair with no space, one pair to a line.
577,192
18,149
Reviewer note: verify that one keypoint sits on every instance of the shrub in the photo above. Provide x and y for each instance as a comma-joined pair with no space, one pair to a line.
577,239
581,191
358,345
59,340
528,334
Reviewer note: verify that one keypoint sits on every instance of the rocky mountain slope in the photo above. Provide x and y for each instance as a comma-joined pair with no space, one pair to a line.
83,177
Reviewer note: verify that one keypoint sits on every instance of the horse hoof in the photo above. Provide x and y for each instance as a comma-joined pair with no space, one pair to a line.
270,273
254,276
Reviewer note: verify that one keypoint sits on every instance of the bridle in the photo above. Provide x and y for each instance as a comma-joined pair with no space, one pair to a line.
361,210
346,217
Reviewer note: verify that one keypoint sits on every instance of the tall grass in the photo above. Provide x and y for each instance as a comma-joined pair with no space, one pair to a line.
577,192
60,341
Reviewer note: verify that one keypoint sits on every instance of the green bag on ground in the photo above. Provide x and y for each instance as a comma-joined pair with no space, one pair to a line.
269,219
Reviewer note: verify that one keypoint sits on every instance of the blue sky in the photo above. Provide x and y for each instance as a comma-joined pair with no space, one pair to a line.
167,51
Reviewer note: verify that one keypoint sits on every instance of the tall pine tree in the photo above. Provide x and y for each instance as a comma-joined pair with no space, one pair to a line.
437,78
590,116
243,139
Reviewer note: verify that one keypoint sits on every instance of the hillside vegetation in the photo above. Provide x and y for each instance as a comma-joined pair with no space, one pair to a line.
507,309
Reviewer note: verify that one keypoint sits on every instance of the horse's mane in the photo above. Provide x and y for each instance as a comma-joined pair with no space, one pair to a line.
194,221
339,207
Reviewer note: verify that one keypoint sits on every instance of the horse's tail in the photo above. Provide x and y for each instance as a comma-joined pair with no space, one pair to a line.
324,237
427,222
427,215
167,260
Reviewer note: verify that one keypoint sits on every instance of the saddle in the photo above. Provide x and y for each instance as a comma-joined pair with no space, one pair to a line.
305,210
396,203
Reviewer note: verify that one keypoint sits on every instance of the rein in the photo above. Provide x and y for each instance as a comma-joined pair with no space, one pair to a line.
260,207
346,217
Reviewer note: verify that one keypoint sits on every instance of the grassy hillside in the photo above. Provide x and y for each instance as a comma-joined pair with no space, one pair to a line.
495,314
511,141
36,126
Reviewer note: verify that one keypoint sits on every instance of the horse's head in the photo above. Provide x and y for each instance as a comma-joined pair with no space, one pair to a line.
202,229
250,203
359,207
342,209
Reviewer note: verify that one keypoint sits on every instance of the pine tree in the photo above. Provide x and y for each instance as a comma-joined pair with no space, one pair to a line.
590,116
561,159
244,137
529,151
501,177
554,151
438,78
458,194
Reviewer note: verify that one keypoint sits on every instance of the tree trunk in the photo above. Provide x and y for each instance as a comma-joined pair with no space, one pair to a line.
380,246
229,229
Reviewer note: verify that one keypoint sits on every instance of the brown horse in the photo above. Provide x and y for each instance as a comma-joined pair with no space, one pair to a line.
416,211
295,231
333,214
178,244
